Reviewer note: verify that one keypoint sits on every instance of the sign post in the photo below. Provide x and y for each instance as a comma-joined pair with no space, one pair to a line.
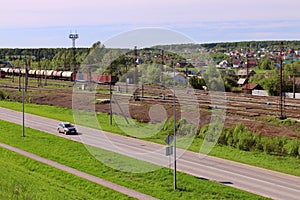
169,149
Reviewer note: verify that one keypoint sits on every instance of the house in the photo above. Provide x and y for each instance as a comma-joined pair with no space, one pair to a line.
242,81
243,73
236,63
248,88
177,77
251,62
223,64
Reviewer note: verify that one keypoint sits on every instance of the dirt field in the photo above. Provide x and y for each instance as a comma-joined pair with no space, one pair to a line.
140,109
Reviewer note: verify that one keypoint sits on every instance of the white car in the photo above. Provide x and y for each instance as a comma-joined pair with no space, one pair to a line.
66,128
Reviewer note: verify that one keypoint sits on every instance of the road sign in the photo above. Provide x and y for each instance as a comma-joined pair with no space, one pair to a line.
169,151
169,139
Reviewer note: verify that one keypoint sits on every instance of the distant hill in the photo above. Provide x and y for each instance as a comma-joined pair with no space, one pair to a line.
251,45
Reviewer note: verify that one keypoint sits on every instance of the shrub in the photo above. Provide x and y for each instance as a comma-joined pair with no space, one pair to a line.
292,147
203,131
184,128
258,144
229,137
213,132
169,125
238,130
246,141
268,145
2,95
223,137
279,145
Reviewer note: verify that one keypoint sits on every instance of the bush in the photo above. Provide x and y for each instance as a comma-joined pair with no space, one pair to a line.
246,141
268,145
229,137
279,145
292,147
288,122
258,144
203,131
223,137
213,132
184,128
169,125
197,83
2,95
238,130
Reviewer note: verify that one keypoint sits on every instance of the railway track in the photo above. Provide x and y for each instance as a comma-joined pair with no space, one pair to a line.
240,104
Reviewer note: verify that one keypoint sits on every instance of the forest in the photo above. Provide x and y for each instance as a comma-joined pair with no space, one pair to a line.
63,58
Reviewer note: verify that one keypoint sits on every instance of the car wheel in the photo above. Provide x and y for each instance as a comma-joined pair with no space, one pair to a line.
65,132
58,130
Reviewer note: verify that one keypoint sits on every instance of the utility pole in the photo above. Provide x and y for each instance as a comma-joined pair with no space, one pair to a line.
247,72
280,86
39,80
135,58
110,92
135,76
174,129
294,84
23,97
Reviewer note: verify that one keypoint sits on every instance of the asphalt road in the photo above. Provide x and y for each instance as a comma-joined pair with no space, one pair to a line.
253,179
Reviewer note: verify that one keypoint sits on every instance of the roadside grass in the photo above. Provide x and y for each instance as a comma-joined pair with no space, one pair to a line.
158,183
284,164
24,178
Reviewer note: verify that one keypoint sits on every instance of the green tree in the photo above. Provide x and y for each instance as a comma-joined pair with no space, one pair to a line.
266,64
213,79
197,83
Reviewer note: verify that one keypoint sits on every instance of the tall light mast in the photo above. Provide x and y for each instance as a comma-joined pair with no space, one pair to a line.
73,37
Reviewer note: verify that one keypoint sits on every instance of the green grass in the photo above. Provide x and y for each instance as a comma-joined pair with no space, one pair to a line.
24,178
157,183
33,82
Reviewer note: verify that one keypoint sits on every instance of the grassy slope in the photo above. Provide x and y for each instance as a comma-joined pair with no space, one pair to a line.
73,154
24,178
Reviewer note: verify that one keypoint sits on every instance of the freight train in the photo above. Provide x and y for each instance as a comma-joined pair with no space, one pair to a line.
59,75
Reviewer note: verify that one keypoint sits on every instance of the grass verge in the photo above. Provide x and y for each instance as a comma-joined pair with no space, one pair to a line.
24,178
73,154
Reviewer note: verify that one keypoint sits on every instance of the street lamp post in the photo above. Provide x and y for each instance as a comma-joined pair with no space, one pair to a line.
23,96
174,129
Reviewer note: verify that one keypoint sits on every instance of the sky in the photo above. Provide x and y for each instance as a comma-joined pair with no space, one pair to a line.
47,23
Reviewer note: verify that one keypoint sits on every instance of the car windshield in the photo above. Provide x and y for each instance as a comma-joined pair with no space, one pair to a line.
68,125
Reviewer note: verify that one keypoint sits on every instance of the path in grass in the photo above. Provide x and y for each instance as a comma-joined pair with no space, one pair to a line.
121,189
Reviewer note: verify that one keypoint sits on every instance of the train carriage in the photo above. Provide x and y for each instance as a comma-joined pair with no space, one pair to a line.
2,74
67,75
49,74
31,73
57,74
